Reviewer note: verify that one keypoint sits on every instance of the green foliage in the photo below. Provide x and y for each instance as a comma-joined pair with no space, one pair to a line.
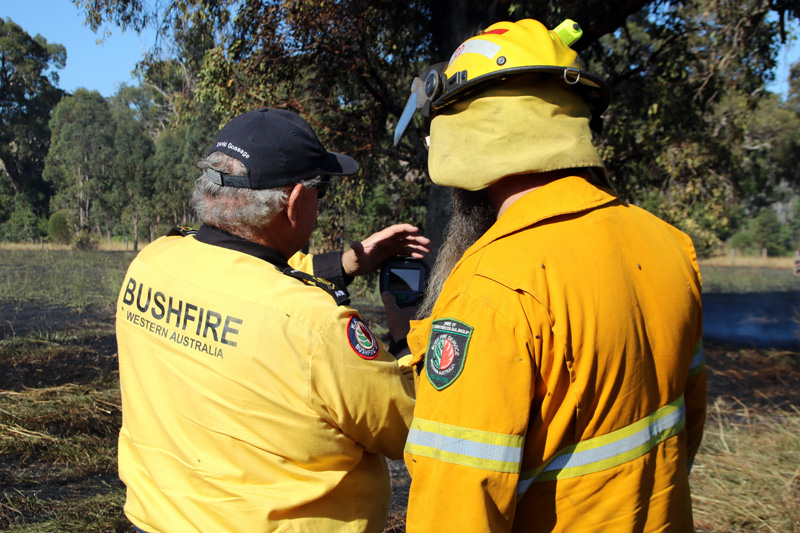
769,233
692,135
22,225
27,95
59,228
79,164
173,169
691,124
765,231
794,221
743,240
84,241
131,190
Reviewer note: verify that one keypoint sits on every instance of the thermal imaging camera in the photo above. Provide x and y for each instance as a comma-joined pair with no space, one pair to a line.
405,278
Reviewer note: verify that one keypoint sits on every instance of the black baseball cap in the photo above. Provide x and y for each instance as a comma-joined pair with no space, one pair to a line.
278,148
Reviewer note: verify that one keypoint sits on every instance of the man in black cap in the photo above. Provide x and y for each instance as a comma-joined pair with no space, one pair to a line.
254,399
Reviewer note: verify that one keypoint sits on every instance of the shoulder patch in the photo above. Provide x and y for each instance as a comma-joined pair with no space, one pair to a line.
183,231
447,351
362,341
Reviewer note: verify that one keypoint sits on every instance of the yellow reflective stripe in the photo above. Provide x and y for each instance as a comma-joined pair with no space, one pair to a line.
465,446
613,449
698,359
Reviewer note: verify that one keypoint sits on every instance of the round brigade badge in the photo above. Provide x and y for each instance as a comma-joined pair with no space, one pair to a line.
362,341
443,353
447,351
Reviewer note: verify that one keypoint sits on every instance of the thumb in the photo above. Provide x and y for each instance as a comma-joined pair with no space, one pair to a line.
357,247
388,299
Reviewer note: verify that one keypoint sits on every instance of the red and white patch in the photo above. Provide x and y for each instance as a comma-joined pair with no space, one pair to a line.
448,355
483,47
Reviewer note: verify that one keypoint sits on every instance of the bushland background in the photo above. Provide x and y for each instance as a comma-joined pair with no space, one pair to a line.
693,136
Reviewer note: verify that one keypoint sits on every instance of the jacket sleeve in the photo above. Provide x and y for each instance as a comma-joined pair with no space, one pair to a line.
358,386
302,262
464,449
327,266
695,392
695,397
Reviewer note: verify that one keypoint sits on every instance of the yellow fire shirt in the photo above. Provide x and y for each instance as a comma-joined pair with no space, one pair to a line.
251,400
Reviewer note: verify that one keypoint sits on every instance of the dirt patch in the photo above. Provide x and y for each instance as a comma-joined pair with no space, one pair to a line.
24,320
83,365
72,354
755,377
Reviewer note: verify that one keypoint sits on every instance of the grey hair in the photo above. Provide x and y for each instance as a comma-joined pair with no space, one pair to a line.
239,211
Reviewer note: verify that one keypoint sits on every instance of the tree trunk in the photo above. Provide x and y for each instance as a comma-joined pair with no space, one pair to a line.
436,219
135,231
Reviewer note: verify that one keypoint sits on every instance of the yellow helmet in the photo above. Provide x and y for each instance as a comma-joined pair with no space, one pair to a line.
503,50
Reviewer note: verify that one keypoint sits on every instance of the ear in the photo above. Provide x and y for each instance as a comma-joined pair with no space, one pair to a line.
293,204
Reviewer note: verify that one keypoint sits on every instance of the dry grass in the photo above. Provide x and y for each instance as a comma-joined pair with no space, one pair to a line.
58,446
65,278
747,474
103,246
728,258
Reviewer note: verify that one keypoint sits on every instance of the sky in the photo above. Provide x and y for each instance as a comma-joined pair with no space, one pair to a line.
103,67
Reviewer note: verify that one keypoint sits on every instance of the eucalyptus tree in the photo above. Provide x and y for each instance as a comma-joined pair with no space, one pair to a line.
28,77
130,195
80,162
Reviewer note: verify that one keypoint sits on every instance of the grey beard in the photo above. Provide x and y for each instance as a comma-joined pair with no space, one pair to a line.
473,215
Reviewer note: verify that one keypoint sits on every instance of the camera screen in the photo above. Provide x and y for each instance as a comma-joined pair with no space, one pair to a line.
404,279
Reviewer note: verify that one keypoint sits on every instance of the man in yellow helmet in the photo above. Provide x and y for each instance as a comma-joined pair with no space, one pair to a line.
254,398
561,378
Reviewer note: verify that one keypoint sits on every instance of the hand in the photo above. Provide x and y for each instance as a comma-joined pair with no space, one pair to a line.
398,318
367,256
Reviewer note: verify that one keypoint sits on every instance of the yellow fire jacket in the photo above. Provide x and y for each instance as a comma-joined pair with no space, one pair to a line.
251,400
562,382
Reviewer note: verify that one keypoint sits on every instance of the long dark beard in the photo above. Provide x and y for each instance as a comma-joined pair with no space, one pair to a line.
472,216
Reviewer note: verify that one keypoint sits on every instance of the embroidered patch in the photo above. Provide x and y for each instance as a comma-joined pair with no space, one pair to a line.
447,351
362,341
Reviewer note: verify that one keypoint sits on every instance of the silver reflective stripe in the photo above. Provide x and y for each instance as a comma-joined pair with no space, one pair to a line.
465,446
698,359
613,449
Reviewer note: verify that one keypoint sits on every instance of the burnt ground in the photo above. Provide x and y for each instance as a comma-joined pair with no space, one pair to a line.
90,357
754,377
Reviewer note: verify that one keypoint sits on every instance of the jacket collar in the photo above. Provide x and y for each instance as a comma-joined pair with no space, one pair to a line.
216,237
571,194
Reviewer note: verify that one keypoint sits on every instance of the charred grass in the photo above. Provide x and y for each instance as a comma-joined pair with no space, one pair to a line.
60,412
59,419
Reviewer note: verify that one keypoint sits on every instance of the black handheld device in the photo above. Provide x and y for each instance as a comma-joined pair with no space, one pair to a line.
405,278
